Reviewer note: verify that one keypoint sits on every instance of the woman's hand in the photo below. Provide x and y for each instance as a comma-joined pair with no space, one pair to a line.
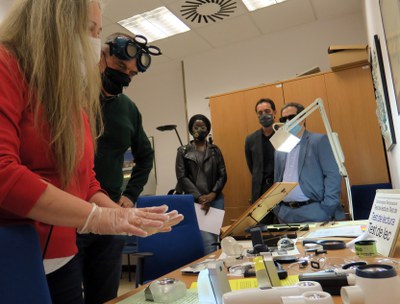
206,199
125,202
133,221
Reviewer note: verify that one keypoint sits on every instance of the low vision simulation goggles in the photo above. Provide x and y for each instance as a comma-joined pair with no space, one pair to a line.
126,48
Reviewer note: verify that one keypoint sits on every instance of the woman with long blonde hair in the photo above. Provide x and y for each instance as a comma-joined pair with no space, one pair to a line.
49,110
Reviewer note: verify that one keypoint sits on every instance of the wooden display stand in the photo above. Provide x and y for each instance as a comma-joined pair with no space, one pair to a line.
256,212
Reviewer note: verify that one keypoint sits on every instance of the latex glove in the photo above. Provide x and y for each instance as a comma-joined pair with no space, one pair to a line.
174,219
132,221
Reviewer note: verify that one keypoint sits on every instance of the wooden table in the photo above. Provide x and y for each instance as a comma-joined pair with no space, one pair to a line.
189,279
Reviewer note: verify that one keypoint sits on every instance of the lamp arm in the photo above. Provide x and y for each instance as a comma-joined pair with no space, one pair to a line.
337,153
302,115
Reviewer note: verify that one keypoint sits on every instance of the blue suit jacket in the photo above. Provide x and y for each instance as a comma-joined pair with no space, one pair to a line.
319,180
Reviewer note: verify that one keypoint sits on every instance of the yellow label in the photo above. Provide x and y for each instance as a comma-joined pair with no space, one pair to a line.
259,263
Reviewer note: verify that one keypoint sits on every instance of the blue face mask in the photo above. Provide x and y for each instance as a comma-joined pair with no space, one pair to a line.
296,129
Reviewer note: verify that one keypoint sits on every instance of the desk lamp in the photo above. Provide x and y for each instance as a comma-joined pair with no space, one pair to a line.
284,141
170,128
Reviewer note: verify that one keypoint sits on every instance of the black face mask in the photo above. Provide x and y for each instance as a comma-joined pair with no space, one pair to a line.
113,81
266,120
200,136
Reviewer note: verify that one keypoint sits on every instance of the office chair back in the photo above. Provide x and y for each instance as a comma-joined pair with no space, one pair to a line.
363,198
172,249
22,277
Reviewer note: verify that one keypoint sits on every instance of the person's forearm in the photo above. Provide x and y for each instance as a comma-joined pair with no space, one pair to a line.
57,207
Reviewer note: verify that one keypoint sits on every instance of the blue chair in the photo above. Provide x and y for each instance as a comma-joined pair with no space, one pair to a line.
22,277
363,197
173,249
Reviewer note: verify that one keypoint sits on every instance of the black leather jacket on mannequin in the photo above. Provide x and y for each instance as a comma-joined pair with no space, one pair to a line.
187,170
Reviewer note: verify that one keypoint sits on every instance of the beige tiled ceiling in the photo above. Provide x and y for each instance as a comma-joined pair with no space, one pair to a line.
237,26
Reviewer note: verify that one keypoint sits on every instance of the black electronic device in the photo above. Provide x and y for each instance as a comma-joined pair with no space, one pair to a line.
256,236
257,249
330,280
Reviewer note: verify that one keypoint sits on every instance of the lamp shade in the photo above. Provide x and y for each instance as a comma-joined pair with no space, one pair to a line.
284,141
166,128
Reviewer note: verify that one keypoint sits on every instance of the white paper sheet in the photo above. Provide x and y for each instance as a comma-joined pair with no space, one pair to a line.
212,222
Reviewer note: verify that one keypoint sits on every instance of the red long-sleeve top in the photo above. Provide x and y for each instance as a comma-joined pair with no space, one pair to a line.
26,158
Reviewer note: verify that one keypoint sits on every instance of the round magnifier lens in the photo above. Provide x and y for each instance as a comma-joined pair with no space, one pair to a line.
131,50
376,271
145,60
140,39
153,50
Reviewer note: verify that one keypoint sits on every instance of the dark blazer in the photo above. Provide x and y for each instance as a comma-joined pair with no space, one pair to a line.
255,161
187,168
319,179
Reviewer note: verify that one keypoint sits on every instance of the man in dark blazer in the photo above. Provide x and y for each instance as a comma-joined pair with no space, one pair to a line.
312,164
260,152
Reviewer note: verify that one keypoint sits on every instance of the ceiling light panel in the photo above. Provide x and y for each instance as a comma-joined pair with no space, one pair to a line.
156,24
253,5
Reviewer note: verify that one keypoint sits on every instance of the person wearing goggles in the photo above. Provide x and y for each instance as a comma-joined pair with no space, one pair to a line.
312,165
122,57
260,153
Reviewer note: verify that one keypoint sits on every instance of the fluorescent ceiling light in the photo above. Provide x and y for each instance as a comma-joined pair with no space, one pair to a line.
253,5
154,25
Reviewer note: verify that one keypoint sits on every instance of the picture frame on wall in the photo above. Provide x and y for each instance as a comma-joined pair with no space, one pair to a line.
390,12
383,109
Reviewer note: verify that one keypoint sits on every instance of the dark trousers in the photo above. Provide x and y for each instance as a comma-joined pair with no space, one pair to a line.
101,257
65,284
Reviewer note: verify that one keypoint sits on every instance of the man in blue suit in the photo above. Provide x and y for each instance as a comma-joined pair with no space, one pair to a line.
312,164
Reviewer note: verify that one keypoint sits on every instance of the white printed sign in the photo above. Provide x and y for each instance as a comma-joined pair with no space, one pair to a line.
383,222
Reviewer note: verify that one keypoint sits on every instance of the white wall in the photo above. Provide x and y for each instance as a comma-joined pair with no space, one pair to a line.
374,26
160,95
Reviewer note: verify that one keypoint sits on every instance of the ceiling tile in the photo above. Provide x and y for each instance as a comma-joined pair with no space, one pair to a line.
233,30
121,9
330,9
283,16
112,28
183,45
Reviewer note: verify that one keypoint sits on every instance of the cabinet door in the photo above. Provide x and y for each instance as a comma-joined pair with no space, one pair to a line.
233,118
305,91
352,108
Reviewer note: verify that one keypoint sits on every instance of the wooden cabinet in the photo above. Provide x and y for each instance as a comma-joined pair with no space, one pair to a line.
350,104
